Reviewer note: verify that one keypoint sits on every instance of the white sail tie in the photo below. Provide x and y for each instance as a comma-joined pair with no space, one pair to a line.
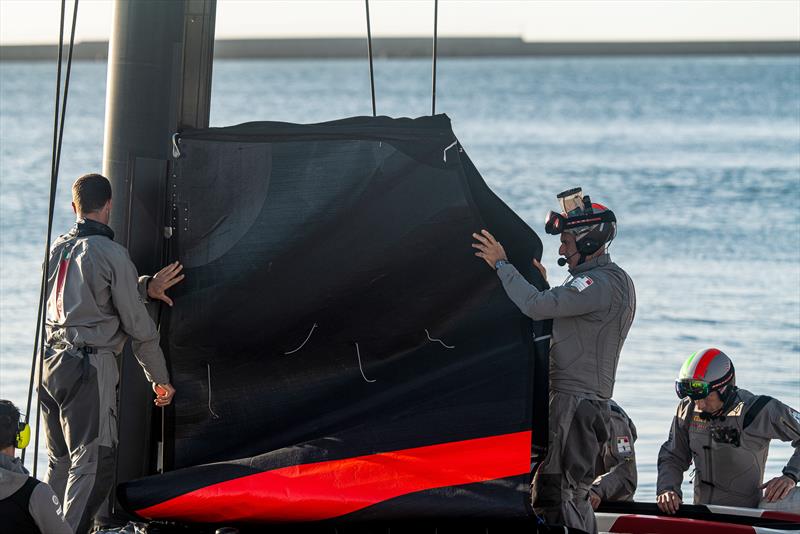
304,342
445,345
360,367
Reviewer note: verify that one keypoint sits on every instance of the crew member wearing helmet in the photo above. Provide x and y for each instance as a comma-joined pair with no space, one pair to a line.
726,432
592,313
26,505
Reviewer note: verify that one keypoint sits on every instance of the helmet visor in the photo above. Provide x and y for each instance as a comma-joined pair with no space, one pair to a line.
571,201
694,389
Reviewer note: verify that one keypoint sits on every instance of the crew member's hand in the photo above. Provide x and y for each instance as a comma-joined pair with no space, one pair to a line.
777,488
164,394
594,499
488,248
163,280
541,268
669,502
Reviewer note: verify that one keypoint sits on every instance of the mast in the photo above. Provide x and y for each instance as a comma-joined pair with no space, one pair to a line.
159,81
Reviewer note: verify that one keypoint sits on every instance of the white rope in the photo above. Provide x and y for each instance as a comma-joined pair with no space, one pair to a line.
444,152
176,151
304,342
360,367
210,409
438,340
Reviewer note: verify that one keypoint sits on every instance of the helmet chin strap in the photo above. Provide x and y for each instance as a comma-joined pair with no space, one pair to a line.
582,256
728,398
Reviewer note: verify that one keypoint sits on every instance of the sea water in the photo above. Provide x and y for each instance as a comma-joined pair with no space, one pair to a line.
699,157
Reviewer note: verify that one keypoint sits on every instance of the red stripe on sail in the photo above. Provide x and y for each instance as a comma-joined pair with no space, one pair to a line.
324,490
705,361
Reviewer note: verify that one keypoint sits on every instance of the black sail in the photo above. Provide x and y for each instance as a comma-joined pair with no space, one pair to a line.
338,351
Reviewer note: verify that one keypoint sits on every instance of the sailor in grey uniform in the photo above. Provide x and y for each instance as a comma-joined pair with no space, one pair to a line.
728,446
592,313
96,302
617,477
26,505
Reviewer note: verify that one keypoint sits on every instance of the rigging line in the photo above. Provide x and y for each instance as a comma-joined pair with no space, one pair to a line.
66,93
43,283
165,257
360,367
304,342
160,458
433,83
33,361
369,49
163,441
59,126
210,409
445,345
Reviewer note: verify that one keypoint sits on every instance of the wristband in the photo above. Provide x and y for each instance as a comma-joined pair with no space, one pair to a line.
500,263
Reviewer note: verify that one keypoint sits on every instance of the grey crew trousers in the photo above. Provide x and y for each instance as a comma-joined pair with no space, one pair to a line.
79,404
579,427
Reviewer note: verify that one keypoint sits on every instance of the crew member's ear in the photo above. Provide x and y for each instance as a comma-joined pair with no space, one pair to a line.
74,209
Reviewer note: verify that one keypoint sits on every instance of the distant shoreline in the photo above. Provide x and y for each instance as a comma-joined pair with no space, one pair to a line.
401,47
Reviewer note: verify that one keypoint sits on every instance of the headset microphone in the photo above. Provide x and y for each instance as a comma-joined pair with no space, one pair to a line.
563,261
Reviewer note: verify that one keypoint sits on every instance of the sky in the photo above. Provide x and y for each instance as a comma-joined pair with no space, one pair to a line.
36,21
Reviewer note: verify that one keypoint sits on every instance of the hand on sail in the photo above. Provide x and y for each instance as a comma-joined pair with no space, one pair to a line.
488,248
163,280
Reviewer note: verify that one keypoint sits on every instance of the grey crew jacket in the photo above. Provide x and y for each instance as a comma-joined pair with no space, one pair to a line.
592,314
103,303
726,474
616,467
43,504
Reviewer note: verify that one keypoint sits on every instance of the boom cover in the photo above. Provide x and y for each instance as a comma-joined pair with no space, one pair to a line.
337,349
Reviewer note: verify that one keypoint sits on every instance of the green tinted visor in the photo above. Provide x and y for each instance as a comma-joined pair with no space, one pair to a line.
692,388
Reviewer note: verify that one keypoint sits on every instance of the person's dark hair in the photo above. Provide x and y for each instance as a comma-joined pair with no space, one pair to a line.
90,192
9,421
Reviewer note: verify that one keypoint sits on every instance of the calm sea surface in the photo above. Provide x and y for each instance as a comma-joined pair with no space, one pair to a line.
698,157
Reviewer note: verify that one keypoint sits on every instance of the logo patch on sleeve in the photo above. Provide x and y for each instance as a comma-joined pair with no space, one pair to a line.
796,416
581,283
624,445
737,410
